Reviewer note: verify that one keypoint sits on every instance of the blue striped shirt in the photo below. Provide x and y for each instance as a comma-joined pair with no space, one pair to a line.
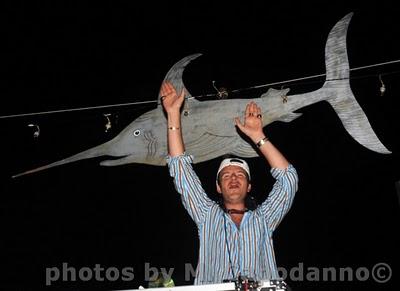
227,251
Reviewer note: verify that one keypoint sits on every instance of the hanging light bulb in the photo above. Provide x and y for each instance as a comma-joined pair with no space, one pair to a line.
108,124
382,89
36,133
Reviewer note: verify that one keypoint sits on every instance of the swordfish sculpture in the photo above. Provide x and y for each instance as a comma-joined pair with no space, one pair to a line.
208,126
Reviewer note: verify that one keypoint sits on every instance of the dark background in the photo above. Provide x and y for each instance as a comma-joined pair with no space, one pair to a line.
69,54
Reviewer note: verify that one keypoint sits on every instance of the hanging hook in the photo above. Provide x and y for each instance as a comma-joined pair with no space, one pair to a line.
36,133
284,97
222,92
382,89
108,124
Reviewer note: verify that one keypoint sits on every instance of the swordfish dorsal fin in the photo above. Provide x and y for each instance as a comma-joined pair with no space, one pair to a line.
174,75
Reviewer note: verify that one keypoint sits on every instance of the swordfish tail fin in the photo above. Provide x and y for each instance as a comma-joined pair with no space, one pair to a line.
338,91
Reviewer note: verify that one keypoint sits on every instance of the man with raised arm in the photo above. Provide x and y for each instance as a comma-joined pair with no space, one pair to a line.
235,235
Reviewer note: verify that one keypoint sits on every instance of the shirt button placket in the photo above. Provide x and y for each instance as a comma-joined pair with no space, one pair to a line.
240,252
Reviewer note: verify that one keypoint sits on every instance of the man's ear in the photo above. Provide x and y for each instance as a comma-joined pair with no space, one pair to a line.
249,188
219,189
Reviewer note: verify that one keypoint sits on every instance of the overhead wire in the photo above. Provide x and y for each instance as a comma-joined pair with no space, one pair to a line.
290,81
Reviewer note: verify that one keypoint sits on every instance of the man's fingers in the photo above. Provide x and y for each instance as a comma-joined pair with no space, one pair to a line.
251,107
238,123
162,89
183,93
247,111
169,86
254,109
167,89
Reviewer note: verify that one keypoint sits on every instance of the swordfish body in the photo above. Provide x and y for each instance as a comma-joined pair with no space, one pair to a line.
208,126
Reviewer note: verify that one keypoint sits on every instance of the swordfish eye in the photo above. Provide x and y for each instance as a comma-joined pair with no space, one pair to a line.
136,132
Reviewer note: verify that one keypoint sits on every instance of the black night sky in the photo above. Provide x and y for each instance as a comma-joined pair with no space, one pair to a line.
70,54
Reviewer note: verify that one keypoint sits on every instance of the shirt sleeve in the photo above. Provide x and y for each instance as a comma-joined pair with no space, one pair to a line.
281,197
188,184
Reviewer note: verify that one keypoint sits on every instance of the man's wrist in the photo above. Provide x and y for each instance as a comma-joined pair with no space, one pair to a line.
261,141
257,137
173,113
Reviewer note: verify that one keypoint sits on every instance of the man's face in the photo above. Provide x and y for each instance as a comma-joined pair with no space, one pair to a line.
233,184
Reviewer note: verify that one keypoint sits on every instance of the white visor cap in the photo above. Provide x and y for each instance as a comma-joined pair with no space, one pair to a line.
234,162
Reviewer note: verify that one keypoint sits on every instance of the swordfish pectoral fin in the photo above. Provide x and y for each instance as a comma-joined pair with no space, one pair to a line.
290,117
208,146
116,162
244,149
153,160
